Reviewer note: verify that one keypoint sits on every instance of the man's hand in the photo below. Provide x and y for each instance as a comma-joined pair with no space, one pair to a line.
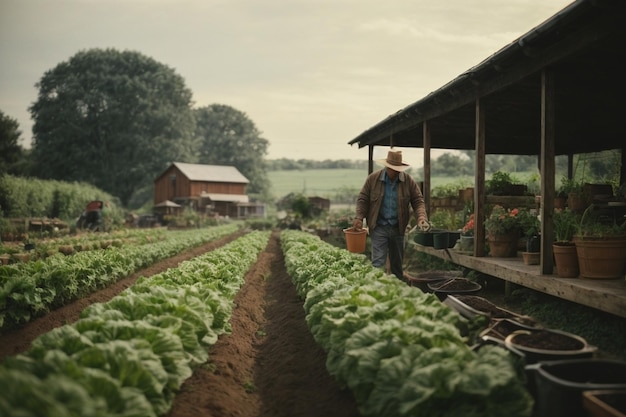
423,225
357,224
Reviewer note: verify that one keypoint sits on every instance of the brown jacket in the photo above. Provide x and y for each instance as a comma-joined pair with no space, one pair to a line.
370,200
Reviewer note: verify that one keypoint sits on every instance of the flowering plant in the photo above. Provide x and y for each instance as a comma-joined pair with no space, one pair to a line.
503,221
468,229
530,223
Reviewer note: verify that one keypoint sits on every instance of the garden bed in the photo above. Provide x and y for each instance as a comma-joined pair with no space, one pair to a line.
269,365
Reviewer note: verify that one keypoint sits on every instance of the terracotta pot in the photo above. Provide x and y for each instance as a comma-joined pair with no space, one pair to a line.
601,258
503,246
565,259
577,202
530,258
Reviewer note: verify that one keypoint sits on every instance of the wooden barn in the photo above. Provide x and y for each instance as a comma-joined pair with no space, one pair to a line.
210,189
320,203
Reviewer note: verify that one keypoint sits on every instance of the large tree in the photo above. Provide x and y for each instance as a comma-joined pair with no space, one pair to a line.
10,150
227,136
112,119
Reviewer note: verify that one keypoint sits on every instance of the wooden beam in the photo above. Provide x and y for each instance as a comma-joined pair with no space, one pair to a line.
479,182
547,170
427,171
622,172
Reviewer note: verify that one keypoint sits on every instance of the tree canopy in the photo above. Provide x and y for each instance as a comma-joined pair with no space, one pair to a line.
112,119
227,136
10,150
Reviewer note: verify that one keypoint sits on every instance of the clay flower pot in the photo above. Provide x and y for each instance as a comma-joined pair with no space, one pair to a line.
565,259
530,258
602,257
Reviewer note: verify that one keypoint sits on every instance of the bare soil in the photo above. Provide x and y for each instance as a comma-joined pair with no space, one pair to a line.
547,340
268,366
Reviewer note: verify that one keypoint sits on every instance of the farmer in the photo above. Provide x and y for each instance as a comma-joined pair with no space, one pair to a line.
384,202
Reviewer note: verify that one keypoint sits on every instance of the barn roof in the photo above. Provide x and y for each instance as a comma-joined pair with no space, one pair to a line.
583,47
211,173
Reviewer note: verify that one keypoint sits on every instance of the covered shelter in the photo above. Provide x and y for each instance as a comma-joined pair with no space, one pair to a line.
556,90
231,205
168,207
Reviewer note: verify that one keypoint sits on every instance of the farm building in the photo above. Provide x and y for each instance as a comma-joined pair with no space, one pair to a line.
320,203
209,189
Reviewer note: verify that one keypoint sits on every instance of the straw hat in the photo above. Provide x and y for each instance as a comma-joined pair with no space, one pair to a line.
394,161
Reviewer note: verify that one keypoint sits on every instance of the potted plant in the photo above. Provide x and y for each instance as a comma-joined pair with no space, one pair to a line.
560,197
503,183
445,195
531,227
600,245
467,235
503,231
574,190
566,223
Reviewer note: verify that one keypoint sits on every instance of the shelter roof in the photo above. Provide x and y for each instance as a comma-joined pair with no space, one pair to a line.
582,45
168,203
229,198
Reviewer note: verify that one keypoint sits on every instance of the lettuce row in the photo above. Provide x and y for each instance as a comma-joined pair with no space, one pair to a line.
399,350
129,356
31,289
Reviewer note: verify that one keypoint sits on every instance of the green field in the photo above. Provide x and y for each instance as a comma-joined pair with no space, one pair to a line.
327,182
315,182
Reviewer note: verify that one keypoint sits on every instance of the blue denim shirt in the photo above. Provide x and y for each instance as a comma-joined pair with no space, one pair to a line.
389,209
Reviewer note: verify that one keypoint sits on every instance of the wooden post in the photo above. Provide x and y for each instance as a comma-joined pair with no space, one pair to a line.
479,182
547,170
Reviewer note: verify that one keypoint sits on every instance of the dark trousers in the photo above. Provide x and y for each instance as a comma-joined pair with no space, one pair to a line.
387,240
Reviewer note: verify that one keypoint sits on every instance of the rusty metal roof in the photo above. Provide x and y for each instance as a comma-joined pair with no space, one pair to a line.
584,45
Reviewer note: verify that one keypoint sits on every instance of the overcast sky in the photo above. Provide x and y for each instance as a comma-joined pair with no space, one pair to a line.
311,74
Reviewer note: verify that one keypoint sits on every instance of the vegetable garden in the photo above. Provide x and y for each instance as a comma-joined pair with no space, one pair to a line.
269,324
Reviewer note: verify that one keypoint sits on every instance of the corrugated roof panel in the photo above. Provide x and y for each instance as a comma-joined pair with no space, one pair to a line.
213,173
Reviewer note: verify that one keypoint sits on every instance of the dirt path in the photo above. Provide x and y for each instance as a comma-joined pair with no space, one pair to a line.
269,365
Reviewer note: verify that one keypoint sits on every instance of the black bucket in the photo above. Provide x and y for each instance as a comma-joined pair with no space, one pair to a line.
558,385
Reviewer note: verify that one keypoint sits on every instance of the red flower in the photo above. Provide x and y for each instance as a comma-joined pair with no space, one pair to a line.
468,229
